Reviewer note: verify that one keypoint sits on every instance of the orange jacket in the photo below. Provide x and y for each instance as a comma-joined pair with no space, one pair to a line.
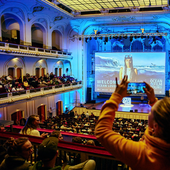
153,154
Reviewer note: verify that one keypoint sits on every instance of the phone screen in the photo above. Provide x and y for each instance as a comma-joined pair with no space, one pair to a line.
136,88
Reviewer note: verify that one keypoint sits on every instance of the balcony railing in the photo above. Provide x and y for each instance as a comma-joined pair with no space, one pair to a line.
17,49
31,93
104,160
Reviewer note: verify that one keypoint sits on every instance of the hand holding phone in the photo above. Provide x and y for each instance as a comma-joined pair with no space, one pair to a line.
136,87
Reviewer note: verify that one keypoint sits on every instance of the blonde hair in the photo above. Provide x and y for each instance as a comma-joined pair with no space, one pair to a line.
162,117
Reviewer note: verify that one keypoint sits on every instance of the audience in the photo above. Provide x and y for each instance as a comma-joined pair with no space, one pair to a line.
47,154
18,151
9,84
153,150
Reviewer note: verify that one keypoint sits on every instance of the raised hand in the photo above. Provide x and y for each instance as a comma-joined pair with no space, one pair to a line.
44,134
150,93
122,87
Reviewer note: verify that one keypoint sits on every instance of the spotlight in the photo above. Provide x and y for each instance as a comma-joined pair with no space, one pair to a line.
106,39
79,38
101,38
95,38
90,38
110,37
86,39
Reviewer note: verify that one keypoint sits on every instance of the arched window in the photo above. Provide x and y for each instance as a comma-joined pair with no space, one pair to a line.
137,46
10,29
15,67
40,68
58,68
56,40
37,35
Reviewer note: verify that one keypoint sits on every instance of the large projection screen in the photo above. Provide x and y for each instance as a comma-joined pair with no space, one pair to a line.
143,66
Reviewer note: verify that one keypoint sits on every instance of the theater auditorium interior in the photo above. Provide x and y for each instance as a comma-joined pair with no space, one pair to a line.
59,60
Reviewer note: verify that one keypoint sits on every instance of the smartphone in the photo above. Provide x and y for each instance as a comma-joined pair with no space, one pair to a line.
136,87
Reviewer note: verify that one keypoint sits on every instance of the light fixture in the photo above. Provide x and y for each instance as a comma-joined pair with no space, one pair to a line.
116,35
86,39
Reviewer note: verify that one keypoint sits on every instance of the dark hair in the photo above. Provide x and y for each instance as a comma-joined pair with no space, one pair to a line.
29,123
162,117
15,145
55,133
77,139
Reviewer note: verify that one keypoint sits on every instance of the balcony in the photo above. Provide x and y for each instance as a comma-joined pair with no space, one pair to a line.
20,50
6,98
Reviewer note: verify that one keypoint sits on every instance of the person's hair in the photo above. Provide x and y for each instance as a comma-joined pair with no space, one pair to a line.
29,123
77,139
162,117
15,145
55,133
90,142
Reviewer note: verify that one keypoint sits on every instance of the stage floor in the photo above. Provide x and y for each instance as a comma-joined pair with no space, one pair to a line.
142,108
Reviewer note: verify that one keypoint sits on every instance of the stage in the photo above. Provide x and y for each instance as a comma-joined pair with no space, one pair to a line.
135,107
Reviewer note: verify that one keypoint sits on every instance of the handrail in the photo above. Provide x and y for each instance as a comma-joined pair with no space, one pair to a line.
62,144
28,50
99,154
51,130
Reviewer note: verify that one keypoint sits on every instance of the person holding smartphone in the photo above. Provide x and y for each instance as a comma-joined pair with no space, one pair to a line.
153,152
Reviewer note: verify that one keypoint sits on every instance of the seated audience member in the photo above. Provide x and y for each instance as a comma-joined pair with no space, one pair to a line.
57,134
90,142
31,126
18,151
47,154
77,140
26,85
50,112
151,153
22,121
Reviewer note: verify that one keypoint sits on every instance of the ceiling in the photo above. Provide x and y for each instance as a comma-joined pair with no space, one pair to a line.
81,7
88,5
